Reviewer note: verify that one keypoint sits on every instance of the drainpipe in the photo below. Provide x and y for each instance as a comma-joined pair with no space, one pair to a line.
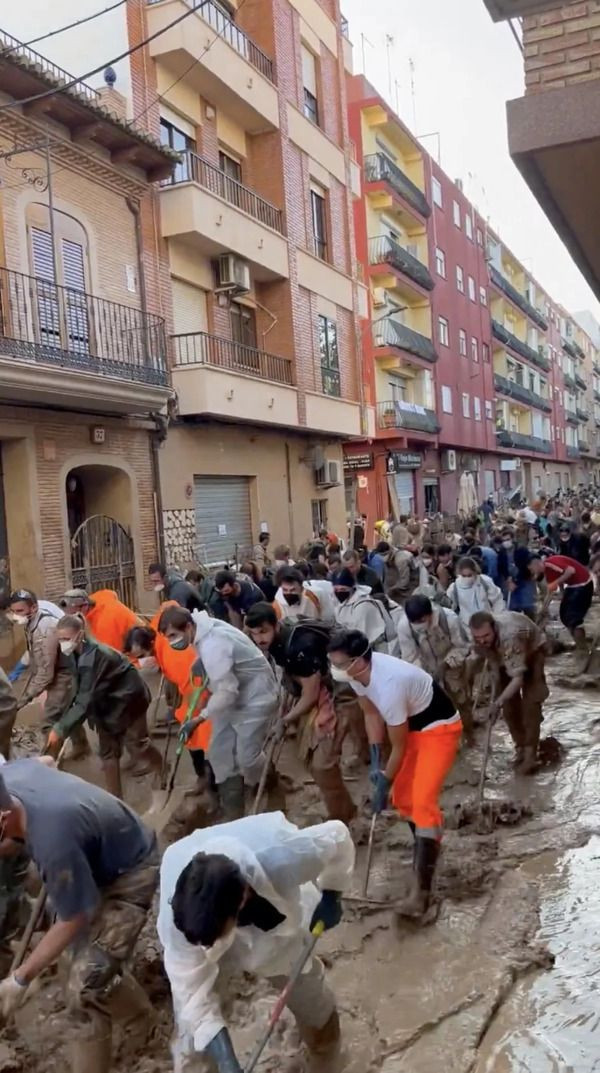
160,421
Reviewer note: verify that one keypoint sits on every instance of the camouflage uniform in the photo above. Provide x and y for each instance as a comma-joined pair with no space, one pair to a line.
8,713
443,652
520,651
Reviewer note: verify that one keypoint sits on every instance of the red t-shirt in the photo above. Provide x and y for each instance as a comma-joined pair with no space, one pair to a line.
555,565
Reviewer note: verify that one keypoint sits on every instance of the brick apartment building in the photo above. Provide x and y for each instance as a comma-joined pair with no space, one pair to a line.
469,365
83,362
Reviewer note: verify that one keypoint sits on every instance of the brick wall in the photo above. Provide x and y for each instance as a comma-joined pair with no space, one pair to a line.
562,47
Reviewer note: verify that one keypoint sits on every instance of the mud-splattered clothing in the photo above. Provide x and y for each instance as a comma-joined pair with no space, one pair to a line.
519,639
8,713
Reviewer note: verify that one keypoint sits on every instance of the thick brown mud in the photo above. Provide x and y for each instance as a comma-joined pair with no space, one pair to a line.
503,980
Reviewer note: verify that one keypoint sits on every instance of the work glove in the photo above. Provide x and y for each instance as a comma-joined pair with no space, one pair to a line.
220,1050
12,994
53,744
188,728
328,911
381,790
375,762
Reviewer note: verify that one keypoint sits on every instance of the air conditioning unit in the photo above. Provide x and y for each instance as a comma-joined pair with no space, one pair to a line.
234,274
449,461
329,476
378,298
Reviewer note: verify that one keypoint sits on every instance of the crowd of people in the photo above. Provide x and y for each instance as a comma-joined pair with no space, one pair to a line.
359,652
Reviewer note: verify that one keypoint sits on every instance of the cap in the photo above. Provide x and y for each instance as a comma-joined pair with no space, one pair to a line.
344,579
21,594
6,804
74,594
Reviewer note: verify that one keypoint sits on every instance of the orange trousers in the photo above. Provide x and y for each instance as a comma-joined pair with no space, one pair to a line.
417,787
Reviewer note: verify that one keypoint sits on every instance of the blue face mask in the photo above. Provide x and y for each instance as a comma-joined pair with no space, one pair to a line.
180,643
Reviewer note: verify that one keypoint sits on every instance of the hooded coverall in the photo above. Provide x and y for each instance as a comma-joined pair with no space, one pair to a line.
286,866
108,620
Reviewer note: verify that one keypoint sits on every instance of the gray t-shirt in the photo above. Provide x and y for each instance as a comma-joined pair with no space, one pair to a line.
80,837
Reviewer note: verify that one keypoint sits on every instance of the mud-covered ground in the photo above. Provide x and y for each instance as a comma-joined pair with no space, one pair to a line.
504,979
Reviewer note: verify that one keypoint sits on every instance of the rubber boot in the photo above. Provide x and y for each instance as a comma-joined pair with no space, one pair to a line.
91,1055
334,792
205,785
322,1041
529,761
231,795
112,776
131,1009
427,851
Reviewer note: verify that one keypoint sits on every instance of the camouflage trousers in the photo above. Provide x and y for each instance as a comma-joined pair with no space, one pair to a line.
99,989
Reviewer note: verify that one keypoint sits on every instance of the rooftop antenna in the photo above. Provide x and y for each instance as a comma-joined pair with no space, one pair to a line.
389,44
397,87
364,41
411,65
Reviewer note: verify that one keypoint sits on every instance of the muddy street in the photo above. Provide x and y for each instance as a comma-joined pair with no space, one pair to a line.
502,981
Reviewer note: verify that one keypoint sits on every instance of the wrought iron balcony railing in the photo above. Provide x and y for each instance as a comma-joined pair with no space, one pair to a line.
389,333
46,324
200,348
522,394
11,46
571,416
378,168
584,446
517,298
385,250
538,357
582,413
227,29
569,380
580,381
518,439
394,414
573,452
573,348
195,169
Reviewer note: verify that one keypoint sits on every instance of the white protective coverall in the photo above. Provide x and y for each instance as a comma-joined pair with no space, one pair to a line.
286,865
363,612
245,697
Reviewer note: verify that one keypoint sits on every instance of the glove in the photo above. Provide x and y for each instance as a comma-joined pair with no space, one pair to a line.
381,789
53,744
188,728
328,911
279,730
375,764
220,1050
12,994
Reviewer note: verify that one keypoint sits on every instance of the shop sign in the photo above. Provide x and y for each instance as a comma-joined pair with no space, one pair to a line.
406,460
354,462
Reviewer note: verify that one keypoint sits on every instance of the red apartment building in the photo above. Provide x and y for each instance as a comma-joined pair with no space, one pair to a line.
465,355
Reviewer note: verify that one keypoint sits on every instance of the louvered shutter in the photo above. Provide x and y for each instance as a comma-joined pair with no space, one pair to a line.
48,316
76,310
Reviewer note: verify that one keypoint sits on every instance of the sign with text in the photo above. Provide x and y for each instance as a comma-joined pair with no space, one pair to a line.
354,462
406,460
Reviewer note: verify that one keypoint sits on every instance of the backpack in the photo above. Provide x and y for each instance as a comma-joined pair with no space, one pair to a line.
380,600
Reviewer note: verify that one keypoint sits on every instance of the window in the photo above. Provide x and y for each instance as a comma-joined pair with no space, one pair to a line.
397,386
59,321
462,342
456,213
469,226
460,279
309,81
330,363
443,331
474,349
483,296
479,237
471,288
319,221
489,411
466,405
229,187
177,139
318,508
440,262
476,408
446,399
243,324
436,192
485,352
230,166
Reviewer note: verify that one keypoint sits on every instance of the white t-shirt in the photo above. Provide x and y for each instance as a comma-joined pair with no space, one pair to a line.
398,689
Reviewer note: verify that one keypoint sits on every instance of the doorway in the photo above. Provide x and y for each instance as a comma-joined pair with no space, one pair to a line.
99,520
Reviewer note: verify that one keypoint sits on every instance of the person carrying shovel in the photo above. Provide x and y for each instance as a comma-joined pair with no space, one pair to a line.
249,896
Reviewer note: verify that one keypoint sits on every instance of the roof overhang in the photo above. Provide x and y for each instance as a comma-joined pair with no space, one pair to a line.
512,9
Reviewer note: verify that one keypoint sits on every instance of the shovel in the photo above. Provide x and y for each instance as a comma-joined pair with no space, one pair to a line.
370,848
162,797
282,1001
265,774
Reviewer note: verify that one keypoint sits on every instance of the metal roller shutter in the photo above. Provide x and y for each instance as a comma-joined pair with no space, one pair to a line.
405,490
222,502
189,308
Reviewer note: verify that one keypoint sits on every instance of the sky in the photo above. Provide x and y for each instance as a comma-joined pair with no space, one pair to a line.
464,68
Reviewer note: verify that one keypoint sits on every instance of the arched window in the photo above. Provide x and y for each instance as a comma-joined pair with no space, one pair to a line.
61,272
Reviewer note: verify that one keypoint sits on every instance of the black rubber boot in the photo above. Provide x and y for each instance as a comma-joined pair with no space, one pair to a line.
427,851
231,796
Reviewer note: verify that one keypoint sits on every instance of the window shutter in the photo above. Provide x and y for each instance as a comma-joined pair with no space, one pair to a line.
41,245
76,311
309,71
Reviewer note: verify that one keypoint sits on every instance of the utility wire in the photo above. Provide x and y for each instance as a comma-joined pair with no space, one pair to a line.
103,66
61,29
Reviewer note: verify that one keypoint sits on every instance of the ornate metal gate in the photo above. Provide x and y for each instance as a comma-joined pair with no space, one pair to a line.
102,558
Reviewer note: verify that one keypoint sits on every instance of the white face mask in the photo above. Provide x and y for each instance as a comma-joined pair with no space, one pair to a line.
68,647
19,620
465,582
427,562
160,587
420,627
507,543
339,674
147,663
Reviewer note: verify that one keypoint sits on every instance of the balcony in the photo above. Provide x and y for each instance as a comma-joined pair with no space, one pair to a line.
580,381
522,394
216,214
584,447
570,381
217,60
405,415
218,376
596,368
390,334
573,452
517,298
506,438
597,394
514,343
571,417
386,251
583,413
573,348
59,345
378,168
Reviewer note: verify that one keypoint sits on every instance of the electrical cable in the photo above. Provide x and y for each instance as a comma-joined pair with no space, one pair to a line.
61,29
108,63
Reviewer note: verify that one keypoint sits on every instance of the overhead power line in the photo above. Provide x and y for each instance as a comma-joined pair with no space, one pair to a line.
102,66
62,29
